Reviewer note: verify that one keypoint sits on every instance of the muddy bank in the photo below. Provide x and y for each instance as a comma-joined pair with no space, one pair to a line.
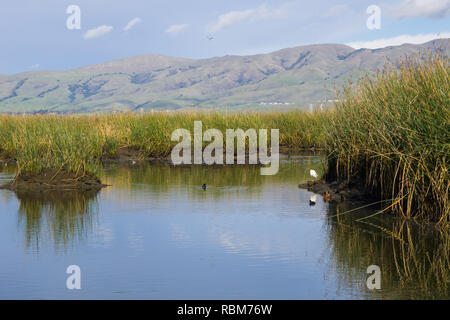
6,160
339,191
5,163
61,180
54,180
132,155
124,154
304,151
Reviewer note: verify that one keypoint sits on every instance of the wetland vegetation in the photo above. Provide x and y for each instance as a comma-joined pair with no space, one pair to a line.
389,133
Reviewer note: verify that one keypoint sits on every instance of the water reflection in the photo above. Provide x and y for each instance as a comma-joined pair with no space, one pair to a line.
221,180
414,258
158,235
61,218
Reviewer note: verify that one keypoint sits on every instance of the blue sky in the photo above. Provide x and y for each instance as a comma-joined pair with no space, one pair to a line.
35,36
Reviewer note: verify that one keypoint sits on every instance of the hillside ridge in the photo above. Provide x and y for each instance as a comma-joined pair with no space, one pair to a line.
297,77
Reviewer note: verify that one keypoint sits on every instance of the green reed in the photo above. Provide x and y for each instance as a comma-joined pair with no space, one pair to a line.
392,133
78,143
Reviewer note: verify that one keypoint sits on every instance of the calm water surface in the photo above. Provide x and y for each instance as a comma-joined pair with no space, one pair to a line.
155,234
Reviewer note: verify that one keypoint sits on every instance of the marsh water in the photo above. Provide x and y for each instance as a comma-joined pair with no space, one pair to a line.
154,233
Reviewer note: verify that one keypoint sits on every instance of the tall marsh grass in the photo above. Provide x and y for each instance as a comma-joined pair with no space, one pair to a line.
392,133
78,143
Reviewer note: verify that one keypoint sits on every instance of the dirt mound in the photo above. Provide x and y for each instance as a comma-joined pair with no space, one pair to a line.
338,191
54,180
124,154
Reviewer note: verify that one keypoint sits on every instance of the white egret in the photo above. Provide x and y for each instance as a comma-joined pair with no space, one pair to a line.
313,173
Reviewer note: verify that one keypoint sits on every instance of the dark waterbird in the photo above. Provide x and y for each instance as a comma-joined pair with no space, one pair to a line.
204,186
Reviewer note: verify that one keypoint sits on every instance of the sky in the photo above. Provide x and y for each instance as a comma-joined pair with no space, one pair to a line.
51,35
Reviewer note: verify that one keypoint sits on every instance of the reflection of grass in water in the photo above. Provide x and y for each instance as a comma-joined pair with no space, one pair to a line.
163,178
63,216
414,259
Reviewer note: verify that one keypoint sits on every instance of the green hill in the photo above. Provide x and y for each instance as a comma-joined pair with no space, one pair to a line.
288,78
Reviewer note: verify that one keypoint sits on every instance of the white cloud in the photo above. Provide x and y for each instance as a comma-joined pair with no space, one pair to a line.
399,40
132,23
176,28
232,17
97,32
423,8
35,66
336,10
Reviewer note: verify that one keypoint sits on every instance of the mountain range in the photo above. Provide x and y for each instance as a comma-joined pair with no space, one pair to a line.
298,77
